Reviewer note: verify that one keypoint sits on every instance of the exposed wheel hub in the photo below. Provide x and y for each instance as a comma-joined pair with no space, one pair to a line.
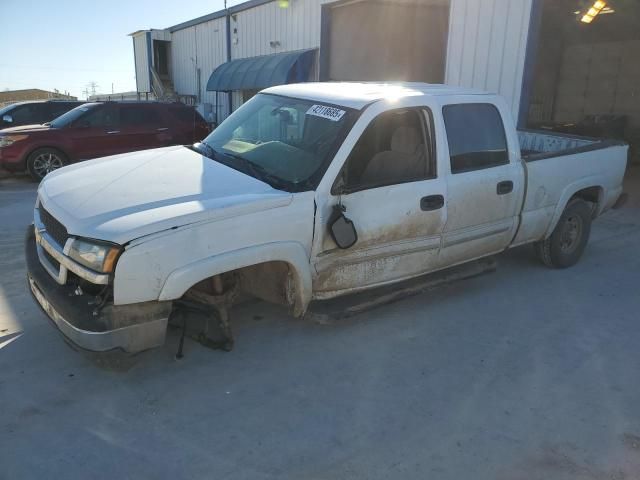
571,234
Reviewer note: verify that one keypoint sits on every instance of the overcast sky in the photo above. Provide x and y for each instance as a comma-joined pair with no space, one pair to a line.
66,44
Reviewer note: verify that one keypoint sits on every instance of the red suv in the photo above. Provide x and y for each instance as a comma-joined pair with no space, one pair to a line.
97,130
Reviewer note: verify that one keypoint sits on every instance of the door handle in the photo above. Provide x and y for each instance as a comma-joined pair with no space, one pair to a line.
163,129
113,132
431,202
504,187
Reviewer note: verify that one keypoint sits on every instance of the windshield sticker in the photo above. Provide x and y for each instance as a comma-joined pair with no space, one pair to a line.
330,113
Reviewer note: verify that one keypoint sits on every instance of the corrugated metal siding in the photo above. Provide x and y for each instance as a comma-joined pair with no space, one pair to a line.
487,45
211,43
202,47
183,61
142,63
295,27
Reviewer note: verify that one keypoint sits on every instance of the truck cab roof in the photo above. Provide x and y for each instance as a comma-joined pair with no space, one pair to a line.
357,95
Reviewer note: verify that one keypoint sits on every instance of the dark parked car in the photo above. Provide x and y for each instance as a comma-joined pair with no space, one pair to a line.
31,113
97,130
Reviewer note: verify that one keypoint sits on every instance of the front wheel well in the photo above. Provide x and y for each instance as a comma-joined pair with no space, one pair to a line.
271,281
42,147
57,158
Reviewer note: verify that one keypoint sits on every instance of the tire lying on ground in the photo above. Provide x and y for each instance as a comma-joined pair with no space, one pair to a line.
43,161
565,245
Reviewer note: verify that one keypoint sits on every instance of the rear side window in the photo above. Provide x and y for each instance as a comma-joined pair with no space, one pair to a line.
137,116
186,114
30,113
476,137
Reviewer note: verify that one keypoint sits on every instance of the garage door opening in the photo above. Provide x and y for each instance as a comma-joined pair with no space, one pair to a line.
586,79
390,40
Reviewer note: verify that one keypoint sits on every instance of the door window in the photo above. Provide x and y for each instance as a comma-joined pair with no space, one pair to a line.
137,116
395,148
31,113
476,137
99,117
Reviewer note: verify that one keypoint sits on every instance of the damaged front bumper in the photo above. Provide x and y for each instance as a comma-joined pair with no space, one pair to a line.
87,324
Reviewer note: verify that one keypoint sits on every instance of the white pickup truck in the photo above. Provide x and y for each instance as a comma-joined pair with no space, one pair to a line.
307,192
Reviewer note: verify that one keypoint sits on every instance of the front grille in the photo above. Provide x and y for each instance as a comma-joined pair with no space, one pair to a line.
54,263
54,228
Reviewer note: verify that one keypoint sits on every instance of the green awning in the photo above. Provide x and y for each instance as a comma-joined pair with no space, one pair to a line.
261,72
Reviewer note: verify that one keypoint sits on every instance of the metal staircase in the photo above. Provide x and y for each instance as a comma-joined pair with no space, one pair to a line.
163,87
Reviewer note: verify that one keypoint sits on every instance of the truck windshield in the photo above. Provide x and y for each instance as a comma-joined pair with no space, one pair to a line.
285,140
72,115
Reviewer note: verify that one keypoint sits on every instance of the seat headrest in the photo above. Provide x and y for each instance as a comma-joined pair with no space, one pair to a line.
405,140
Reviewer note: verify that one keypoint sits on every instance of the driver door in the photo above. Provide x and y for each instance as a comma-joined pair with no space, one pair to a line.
390,190
95,134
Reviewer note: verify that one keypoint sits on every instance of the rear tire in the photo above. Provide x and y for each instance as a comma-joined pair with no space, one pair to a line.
43,161
566,244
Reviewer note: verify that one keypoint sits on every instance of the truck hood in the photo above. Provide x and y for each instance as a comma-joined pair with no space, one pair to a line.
124,197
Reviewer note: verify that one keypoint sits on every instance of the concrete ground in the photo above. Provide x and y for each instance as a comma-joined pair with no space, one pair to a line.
526,373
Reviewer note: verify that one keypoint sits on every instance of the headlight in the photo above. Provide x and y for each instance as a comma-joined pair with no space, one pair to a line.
7,140
100,257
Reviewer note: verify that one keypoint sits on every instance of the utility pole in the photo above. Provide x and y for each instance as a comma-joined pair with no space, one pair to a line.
86,93
92,86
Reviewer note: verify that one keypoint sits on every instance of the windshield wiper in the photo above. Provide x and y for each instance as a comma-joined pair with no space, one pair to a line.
258,171
208,152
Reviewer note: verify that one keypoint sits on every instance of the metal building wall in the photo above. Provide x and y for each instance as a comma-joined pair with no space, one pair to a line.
183,60
487,46
141,62
294,28
199,47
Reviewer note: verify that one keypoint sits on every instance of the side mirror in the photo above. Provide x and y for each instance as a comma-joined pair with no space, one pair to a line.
342,229
7,118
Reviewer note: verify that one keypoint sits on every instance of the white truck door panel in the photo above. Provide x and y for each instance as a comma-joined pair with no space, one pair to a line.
396,238
390,191
485,183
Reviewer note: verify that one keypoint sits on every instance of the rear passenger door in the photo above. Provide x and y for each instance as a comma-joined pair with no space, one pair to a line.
485,184
141,127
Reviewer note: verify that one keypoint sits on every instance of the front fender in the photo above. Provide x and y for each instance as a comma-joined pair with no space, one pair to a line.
569,191
293,253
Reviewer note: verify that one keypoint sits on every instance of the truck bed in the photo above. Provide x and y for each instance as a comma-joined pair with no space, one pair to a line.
571,163
536,144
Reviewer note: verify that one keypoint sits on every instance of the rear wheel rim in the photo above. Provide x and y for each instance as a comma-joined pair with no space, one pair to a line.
571,234
46,163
